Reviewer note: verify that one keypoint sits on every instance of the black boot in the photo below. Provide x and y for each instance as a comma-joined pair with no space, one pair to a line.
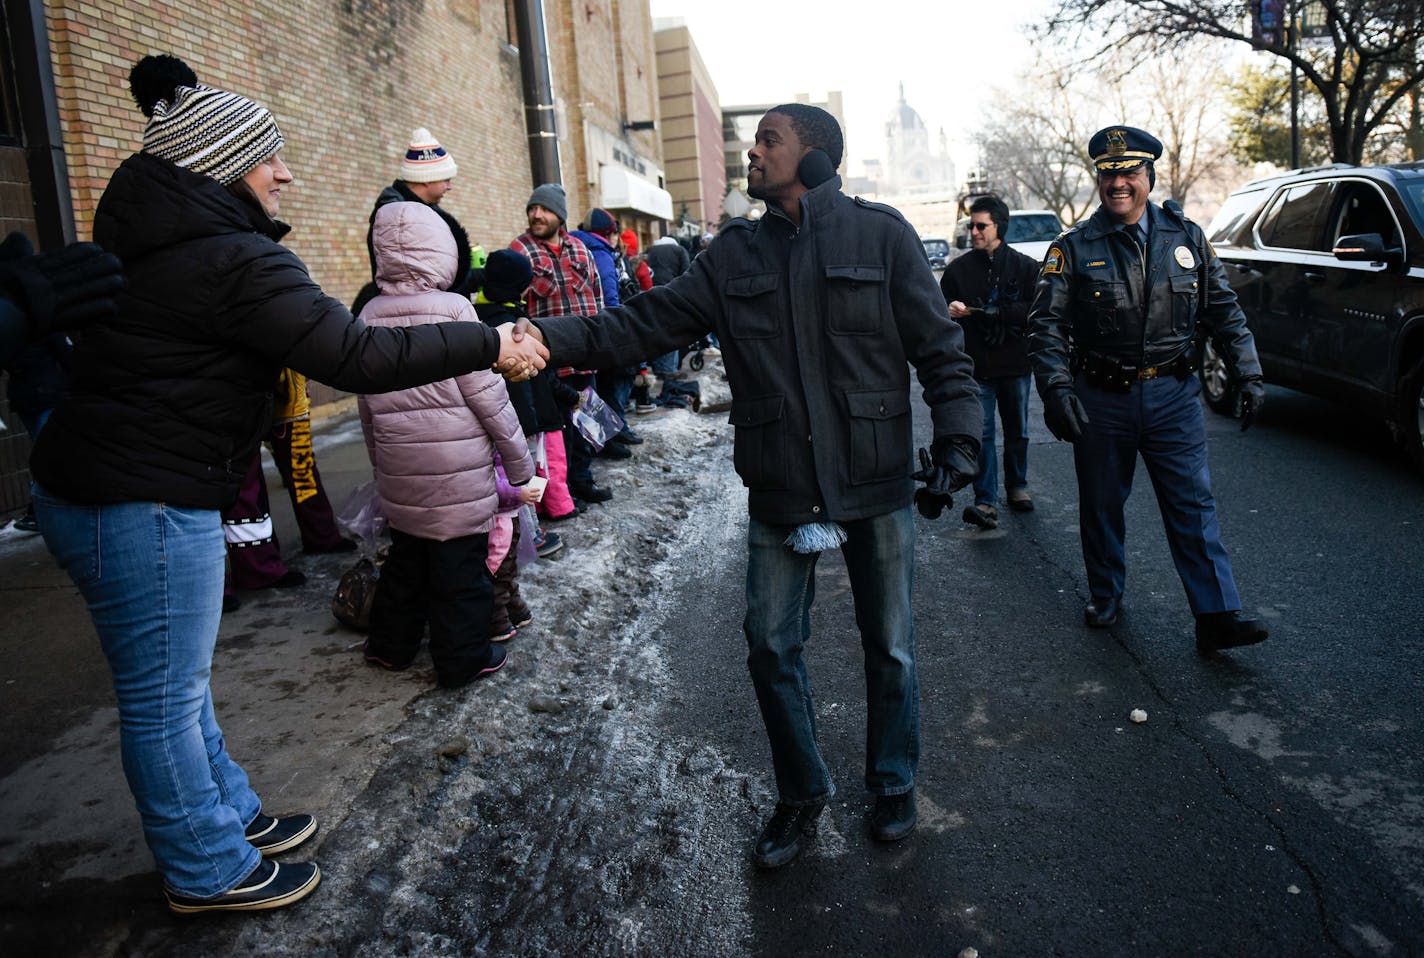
780,840
1227,630
894,817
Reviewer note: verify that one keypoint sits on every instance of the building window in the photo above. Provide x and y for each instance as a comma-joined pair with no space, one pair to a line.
10,132
511,35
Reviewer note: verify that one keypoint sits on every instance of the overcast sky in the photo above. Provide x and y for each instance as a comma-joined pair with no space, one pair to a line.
949,54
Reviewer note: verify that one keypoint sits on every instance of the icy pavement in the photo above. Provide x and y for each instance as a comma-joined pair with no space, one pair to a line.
544,811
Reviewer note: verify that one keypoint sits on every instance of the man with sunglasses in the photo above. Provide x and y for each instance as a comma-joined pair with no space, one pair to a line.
989,290
1117,305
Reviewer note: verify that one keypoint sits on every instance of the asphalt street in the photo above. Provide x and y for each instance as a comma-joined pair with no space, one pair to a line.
1271,804
600,796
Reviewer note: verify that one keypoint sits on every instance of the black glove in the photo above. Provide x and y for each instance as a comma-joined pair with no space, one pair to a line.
952,465
992,328
63,290
1064,413
1249,400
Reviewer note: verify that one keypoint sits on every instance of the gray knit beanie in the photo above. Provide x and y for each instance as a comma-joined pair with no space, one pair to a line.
551,196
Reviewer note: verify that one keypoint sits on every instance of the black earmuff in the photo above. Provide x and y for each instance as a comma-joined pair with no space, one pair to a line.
814,169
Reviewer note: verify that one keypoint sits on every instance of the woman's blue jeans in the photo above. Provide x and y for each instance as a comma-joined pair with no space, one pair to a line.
781,586
152,575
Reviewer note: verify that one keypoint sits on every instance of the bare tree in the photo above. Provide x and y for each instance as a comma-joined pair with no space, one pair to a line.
1182,113
1368,71
1033,146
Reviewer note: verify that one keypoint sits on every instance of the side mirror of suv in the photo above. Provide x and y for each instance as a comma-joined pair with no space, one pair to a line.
1367,248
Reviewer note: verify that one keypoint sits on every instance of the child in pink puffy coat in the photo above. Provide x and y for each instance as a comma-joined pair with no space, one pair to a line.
433,449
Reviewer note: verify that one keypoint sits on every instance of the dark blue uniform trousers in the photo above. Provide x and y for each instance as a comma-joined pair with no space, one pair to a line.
1162,420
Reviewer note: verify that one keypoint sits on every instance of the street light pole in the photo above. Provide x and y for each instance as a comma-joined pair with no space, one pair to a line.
1292,35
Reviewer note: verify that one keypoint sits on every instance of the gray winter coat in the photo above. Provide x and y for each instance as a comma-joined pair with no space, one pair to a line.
818,327
433,446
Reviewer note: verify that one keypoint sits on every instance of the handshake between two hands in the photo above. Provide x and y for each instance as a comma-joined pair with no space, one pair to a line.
522,352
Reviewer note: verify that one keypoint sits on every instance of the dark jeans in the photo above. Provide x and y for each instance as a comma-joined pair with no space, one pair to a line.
445,584
1162,420
781,586
576,447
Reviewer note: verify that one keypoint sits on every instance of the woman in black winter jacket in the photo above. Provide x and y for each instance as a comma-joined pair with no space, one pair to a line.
168,402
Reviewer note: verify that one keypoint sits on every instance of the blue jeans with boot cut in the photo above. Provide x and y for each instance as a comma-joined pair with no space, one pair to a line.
152,575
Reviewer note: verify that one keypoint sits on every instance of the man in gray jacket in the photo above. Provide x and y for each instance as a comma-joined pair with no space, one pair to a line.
820,307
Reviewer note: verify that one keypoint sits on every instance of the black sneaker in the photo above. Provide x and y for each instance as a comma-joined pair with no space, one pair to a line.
893,817
498,656
272,836
615,450
780,841
271,885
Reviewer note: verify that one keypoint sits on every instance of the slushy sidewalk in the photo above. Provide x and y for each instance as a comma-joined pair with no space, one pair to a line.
301,712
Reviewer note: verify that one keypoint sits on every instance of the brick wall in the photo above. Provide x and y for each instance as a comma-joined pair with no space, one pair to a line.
348,80
601,58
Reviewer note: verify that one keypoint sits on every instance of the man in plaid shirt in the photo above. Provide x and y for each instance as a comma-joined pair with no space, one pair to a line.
565,283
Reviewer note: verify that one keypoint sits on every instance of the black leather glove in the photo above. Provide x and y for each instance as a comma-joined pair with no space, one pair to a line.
952,465
991,324
63,290
1064,413
1250,398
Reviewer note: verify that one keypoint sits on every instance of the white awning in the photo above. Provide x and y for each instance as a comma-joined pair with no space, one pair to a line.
622,189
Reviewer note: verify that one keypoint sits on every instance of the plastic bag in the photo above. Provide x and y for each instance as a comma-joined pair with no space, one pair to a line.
596,420
526,552
360,518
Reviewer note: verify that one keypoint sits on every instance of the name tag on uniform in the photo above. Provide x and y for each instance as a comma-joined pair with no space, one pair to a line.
1096,264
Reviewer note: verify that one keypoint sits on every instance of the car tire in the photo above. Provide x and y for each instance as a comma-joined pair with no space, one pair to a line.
1215,376
1411,414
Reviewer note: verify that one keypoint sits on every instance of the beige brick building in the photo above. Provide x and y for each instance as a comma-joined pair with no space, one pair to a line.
691,130
348,82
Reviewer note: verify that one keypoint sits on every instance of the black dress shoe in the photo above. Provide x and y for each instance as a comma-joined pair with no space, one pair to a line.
1227,630
780,841
628,437
1101,613
590,492
615,450
893,817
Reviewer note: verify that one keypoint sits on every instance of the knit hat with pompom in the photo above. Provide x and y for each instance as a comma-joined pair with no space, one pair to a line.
197,127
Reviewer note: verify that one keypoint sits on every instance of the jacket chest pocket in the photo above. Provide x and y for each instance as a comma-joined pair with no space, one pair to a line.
879,434
753,306
581,271
1185,290
759,448
855,299
1104,305
543,285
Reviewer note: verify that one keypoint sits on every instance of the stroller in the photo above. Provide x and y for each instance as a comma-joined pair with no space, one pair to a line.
695,359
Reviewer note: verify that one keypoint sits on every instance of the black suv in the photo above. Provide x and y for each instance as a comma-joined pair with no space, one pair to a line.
1329,266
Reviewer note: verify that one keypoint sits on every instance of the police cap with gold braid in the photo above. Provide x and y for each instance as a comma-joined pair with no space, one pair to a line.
1118,149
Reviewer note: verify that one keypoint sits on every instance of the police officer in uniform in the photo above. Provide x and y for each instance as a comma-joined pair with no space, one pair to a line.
1117,305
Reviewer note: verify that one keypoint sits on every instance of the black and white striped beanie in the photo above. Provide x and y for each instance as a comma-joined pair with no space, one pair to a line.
211,131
